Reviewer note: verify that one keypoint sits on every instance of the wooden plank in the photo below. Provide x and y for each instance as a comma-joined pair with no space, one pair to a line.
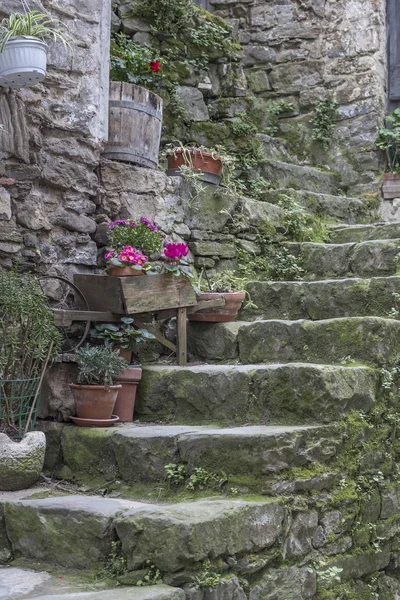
138,323
102,292
206,304
133,295
64,318
182,336
156,292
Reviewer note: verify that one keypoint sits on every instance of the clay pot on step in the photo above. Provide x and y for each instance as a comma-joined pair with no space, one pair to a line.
209,166
223,314
126,354
94,401
125,404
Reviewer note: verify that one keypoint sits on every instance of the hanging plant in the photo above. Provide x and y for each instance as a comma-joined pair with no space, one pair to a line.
23,50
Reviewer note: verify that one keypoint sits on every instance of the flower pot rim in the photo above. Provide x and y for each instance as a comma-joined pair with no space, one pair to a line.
95,387
199,152
238,294
25,38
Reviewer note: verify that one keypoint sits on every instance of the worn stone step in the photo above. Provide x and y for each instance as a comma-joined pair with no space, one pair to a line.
244,394
363,233
377,258
136,454
286,175
20,584
76,532
339,209
370,340
324,299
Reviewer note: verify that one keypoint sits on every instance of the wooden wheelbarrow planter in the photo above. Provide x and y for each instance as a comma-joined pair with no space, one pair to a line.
142,298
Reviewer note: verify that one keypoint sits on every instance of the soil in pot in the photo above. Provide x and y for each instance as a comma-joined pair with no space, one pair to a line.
94,401
125,404
124,272
223,314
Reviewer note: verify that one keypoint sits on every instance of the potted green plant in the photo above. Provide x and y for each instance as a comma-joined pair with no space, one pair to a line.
224,285
130,245
125,338
95,393
200,160
388,140
23,50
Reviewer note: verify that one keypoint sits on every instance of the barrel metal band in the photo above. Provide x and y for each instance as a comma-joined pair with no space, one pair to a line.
136,106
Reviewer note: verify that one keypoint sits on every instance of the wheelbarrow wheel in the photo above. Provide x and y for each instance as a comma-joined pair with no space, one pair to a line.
64,295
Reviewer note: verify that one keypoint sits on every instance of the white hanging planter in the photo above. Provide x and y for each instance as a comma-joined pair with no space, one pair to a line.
23,62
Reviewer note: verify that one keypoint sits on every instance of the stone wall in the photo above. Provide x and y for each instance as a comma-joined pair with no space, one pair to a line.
299,52
51,144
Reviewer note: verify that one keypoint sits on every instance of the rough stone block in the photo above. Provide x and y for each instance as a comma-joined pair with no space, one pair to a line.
21,463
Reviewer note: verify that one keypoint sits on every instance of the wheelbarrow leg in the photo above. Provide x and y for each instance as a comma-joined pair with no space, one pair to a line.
182,337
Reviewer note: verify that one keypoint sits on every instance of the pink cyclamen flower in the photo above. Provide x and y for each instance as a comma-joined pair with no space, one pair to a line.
176,251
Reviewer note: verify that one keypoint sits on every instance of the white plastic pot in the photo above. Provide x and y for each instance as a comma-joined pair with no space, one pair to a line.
23,62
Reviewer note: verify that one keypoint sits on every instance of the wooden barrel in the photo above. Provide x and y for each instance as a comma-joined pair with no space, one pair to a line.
135,121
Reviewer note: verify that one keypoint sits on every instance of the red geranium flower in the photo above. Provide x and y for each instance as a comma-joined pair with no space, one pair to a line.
155,66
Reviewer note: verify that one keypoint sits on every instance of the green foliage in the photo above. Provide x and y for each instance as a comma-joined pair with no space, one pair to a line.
213,36
171,17
208,578
144,236
152,575
301,226
125,334
276,110
33,24
176,474
98,365
26,326
131,62
116,564
323,121
241,125
329,575
388,140
257,188
200,479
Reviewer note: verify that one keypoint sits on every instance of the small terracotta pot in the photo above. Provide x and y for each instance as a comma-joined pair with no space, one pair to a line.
94,401
124,272
223,314
202,161
125,405
126,354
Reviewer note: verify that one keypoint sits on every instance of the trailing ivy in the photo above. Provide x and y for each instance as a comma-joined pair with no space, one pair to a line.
323,121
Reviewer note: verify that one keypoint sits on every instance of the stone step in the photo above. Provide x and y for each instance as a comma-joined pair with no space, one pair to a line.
76,532
287,175
254,394
370,340
377,258
20,584
339,209
139,454
324,299
364,233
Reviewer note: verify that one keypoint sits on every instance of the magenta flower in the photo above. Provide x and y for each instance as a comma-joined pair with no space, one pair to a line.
109,255
176,251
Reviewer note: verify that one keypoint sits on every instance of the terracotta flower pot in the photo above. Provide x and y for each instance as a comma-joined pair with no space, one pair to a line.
124,272
223,314
210,165
125,404
126,354
94,401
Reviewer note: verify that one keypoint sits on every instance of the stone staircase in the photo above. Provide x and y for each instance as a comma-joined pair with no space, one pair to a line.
263,412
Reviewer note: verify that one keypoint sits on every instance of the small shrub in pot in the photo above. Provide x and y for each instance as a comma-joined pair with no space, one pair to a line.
95,393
